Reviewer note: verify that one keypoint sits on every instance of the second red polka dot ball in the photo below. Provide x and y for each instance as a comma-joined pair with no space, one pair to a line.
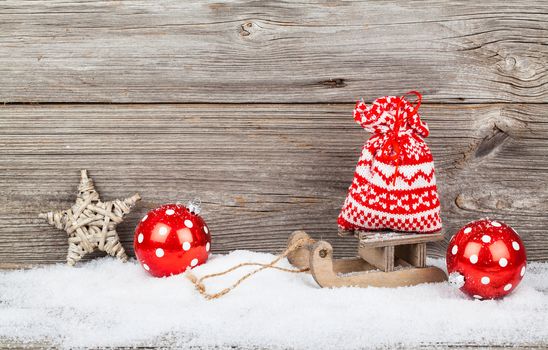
171,239
486,259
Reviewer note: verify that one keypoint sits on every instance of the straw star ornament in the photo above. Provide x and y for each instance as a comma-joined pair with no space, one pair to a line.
90,223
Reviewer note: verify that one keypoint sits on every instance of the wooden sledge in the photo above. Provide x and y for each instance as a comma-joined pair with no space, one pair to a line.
385,260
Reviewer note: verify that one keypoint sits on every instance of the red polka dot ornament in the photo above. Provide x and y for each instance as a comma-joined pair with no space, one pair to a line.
486,259
172,238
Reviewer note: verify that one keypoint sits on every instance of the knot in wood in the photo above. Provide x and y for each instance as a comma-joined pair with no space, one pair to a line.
245,28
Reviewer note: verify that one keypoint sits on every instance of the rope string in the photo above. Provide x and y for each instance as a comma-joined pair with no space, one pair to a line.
392,144
198,282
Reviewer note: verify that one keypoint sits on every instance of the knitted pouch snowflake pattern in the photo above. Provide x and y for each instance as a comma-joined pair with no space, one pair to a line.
394,185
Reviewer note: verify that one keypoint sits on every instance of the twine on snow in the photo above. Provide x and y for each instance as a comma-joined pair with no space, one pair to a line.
198,282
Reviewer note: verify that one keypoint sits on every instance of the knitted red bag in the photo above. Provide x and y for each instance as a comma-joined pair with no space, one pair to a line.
394,185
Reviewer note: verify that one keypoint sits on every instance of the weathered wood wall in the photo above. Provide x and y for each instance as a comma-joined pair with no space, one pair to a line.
247,104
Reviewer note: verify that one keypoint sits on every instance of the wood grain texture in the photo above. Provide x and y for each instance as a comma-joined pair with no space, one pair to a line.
36,345
261,170
272,51
376,240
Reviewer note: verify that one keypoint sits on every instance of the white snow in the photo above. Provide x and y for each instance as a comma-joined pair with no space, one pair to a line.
109,303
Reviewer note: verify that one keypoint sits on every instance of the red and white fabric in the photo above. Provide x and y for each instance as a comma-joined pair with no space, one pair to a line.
394,186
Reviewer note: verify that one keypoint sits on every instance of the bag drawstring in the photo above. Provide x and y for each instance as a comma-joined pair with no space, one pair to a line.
393,136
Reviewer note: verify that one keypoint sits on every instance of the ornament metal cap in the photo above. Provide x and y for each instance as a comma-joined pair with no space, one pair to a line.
194,206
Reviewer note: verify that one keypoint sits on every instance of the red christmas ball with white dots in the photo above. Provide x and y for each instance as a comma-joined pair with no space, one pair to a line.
486,259
170,239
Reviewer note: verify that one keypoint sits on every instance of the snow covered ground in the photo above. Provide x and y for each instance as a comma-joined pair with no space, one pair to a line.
108,303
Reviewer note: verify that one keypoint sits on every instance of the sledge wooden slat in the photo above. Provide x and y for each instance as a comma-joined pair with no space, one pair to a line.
381,250
402,263
261,170
372,240
414,254
380,257
254,51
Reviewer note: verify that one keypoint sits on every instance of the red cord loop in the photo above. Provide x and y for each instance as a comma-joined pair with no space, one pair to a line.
392,146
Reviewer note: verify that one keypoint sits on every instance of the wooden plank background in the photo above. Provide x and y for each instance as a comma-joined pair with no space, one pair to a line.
247,105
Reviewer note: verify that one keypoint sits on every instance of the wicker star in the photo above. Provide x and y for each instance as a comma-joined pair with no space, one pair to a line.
91,224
